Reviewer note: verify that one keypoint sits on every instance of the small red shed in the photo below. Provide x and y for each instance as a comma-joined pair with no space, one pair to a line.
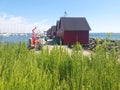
52,31
57,29
73,29
49,32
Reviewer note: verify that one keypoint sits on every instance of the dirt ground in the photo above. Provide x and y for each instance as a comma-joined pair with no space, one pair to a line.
50,44
50,47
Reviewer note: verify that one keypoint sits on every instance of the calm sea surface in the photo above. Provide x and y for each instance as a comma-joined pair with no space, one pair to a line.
112,36
18,38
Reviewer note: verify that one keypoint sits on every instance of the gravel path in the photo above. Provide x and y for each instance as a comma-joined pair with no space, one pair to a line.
50,47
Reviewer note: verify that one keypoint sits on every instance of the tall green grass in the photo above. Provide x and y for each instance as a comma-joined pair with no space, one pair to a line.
21,69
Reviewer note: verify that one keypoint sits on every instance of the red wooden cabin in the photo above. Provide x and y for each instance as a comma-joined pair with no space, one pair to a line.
51,32
73,29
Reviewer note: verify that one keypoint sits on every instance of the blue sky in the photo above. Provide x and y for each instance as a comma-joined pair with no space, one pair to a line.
23,15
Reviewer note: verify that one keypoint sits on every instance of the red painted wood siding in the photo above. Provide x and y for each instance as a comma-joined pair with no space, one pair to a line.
71,37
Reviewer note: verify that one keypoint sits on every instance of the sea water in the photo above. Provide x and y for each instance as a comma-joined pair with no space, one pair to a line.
24,38
112,36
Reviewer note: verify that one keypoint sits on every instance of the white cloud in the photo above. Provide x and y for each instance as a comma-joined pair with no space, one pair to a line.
18,24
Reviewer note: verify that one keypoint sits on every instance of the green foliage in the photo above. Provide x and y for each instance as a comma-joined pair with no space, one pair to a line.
77,46
58,69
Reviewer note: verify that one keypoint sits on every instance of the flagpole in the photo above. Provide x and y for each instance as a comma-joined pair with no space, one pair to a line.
65,14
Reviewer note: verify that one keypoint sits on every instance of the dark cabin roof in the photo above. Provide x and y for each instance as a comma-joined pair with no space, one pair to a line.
49,31
53,28
74,23
57,25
